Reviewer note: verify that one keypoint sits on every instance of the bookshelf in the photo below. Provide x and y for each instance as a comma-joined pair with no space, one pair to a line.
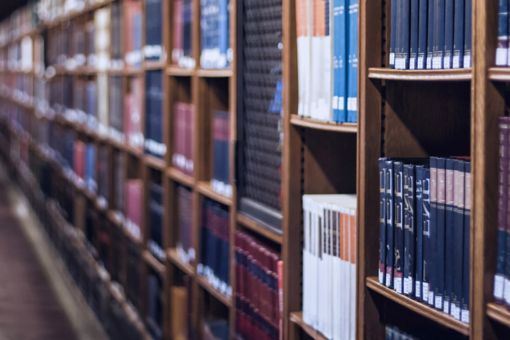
395,111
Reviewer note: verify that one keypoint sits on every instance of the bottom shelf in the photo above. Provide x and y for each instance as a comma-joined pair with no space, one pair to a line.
418,307
297,319
498,313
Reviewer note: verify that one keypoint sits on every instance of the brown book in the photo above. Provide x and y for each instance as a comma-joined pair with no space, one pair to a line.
179,313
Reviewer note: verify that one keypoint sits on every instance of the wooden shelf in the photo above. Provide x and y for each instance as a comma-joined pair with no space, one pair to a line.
297,319
180,177
418,307
499,74
320,125
265,231
75,14
202,281
419,75
177,71
205,189
174,258
499,313
153,65
222,73
155,162
153,262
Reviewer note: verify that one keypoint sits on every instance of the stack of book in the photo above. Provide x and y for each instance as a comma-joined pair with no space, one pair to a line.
133,190
182,54
259,277
133,33
155,243
221,141
430,34
329,262
425,206
185,239
214,24
153,49
133,112
327,48
183,130
155,303
260,137
214,246
154,144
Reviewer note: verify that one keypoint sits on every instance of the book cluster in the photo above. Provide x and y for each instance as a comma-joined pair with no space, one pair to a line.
425,206
329,262
430,34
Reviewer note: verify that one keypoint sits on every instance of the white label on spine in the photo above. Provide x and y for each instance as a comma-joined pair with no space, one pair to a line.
465,316
381,277
501,56
412,63
425,286
436,62
398,284
467,61
420,62
392,58
506,290
388,280
438,302
456,61
429,63
499,283
417,289
352,104
446,307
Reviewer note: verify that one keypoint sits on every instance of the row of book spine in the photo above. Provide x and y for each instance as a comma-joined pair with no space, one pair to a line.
329,264
430,34
214,246
259,277
425,207
327,51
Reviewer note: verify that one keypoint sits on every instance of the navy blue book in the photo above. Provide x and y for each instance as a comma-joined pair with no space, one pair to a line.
430,240
449,21
458,35
439,280
393,32
430,33
409,229
420,181
439,34
503,33
399,257
406,33
414,34
390,228
466,245
382,220
458,235
153,29
421,62
467,34
449,235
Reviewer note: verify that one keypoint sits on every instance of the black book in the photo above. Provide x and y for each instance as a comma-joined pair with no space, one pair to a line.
467,34
421,62
449,236
439,263
390,228
430,240
449,21
430,32
382,220
403,34
466,244
154,31
420,183
393,32
458,235
414,34
458,35
409,229
439,34
399,258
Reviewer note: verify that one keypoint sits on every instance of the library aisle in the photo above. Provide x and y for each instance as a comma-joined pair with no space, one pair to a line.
33,303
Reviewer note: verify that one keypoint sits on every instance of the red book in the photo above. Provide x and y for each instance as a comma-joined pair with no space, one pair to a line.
133,205
79,159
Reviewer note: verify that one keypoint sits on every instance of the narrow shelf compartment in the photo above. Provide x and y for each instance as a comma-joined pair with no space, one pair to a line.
180,177
498,313
153,262
325,126
176,260
205,189
499,74
205,73
202,281
297,319
259,228
418,307
383,73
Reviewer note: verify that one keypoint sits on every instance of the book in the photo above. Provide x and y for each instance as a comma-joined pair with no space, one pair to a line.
215,52
154,144
220,181
467,33
182,34
133,33
185,235
155,241
153,49
180,296
352,75
133,189
133,106
183,129
116,105
458,35
329,262
155,298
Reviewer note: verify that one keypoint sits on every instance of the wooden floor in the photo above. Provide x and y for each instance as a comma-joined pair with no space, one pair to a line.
29,309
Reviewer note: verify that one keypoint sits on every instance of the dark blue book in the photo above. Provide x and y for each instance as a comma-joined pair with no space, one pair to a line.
403,35
439,263
458,35
390,227
430,239
414,34
439,34
421,62
153,29
430,33
467,33
458,234
409,229
449,236
503,33
465,315
382,220
399,256
352,76
449,21
420,179
393,32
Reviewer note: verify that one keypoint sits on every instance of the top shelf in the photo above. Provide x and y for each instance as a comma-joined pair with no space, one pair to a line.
419,75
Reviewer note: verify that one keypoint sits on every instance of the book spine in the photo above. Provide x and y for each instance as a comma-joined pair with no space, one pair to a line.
390,227
439,34
340,51
400,52
414,34
352,98
420,172
393,32
467,33
382,220
459,179
409,229
430,259
421,62
458,35
430,33
449,236
440,235
502,49
399,256
465,310
448,34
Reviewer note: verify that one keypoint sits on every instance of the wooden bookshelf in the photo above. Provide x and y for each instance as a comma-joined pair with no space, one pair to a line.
384,73
499,313
325,126
297,319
